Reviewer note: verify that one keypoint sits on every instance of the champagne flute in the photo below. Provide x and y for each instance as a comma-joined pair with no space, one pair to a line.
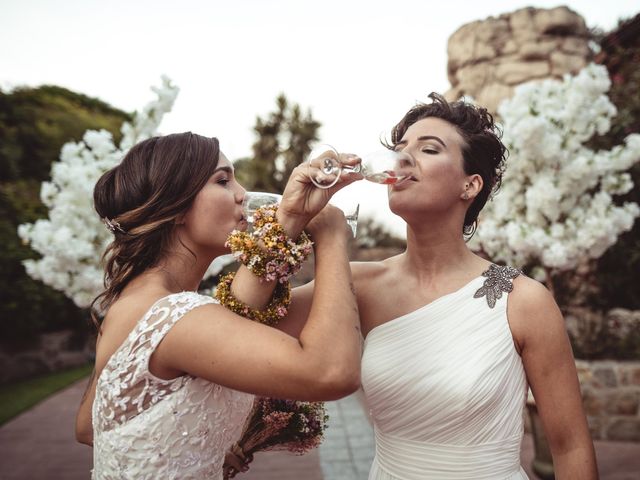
254,200
383,167
352,220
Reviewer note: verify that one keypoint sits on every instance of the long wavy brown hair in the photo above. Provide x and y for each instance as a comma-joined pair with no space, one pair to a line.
156,182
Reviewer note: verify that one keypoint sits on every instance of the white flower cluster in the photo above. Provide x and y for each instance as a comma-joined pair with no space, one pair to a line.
556,207
73,239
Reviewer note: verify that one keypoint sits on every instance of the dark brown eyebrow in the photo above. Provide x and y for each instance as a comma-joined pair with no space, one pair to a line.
424,137
229,170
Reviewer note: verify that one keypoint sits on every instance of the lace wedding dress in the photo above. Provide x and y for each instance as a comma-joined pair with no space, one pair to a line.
447,388
149,428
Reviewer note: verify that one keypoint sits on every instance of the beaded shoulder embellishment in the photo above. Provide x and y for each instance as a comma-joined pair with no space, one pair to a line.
499,279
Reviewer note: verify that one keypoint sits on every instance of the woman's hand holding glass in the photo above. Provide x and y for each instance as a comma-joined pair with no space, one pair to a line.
326,171
301,200
330,221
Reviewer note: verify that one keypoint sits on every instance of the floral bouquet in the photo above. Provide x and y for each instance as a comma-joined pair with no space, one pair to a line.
274,424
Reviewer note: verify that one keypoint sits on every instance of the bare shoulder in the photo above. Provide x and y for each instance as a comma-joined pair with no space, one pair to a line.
529,294
362,273
128,309
209,325
368,271
208,317
532,310
366,268
210,311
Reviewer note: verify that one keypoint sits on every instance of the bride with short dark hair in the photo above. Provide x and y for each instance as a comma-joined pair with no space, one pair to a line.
452,341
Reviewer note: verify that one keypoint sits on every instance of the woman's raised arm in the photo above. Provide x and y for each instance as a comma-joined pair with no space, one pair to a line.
323,364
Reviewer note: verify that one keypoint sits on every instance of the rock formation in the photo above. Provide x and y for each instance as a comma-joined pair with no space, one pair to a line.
488,58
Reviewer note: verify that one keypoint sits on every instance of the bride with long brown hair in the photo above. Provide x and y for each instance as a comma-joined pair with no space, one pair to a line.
175,371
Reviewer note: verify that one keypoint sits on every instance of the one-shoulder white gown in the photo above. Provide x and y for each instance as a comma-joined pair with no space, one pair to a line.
447,388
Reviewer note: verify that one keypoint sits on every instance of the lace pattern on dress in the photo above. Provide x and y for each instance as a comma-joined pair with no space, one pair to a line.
499,280
126,386
147,428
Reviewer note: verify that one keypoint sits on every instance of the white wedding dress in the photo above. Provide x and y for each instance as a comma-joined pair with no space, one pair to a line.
447,388
149,428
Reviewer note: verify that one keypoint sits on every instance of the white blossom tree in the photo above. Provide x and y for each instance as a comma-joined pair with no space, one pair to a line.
556,208
72,240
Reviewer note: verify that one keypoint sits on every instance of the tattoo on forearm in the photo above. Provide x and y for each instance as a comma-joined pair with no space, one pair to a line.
355,295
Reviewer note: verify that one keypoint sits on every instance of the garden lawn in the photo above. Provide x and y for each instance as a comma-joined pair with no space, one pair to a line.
18,397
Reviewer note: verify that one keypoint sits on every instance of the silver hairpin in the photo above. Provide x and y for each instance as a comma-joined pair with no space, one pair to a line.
112,225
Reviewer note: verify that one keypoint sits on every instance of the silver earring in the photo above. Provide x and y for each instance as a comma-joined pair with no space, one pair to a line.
465,195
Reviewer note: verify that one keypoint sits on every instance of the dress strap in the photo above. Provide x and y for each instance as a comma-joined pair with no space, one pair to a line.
126,387
499,280
163,315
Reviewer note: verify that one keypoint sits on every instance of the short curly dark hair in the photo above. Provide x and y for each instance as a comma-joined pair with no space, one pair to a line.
483,151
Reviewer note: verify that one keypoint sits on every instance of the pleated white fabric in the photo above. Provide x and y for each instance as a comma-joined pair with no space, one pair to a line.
447,390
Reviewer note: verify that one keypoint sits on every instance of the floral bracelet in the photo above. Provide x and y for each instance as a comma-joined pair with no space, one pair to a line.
267,251
271,315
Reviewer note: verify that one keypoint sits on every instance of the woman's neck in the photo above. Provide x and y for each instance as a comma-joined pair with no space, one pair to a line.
184,267
182,272
434,250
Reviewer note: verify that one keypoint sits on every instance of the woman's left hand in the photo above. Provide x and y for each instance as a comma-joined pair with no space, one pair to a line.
235,462
302,200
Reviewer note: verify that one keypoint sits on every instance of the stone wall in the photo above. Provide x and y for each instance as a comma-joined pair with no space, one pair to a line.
611,398
55,352
488,58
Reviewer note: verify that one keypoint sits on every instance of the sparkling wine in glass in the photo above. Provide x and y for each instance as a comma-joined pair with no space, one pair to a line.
385,167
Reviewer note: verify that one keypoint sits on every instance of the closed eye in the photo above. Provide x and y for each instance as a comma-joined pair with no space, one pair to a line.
222,175
430,151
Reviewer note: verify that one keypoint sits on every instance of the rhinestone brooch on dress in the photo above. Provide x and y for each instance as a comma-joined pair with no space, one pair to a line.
499,279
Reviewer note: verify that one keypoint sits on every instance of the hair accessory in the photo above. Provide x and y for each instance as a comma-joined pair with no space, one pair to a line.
267,252
271,315
112,225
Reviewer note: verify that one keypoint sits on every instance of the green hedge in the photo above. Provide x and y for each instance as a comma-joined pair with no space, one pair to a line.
34,125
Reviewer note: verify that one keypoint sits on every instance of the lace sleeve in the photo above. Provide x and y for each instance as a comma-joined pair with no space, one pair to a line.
126,387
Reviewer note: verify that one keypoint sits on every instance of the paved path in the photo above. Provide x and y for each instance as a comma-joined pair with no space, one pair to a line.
40,444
